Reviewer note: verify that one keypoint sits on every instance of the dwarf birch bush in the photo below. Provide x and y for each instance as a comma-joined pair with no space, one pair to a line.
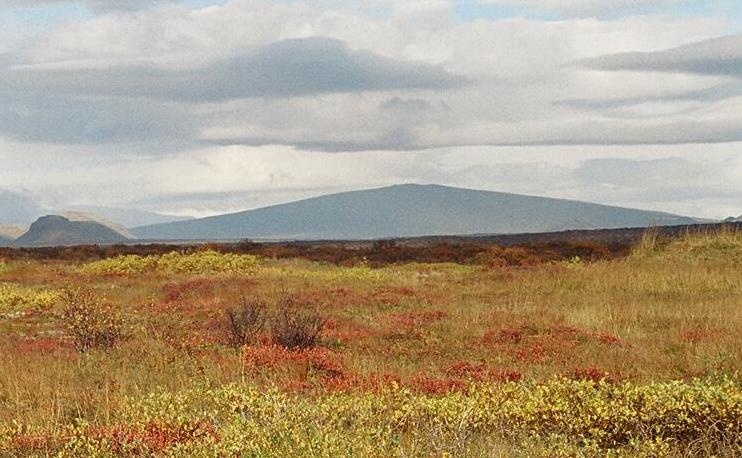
565,417
90,322
200,262
14,298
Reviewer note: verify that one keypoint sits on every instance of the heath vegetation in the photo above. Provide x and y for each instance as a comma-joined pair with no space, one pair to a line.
579,349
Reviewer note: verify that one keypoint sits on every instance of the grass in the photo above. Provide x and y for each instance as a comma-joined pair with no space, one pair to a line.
655,332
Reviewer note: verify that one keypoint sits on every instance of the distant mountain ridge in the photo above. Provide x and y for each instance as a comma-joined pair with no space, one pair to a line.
81,216
123,217
128,217
408,211
56,230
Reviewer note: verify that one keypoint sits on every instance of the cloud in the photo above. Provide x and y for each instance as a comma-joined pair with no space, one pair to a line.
712,94
332,122
633,173
92,119
96,5
709,187
18,207
716,57
287,68
586,8
200,110
259,73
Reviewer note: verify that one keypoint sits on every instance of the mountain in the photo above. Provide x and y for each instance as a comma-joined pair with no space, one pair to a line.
128,217
54,230
732,219
80,216
408,211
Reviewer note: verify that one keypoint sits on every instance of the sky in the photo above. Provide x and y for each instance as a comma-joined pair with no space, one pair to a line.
202,107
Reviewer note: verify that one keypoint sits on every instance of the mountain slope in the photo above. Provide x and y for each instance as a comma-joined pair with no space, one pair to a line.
128,217
80,216
406,211
54,230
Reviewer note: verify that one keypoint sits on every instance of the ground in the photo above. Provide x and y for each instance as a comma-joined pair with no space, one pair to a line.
507,352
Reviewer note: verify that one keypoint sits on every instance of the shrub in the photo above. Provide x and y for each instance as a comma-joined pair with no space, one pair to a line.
15,299
498,257
274,357
207,261
90,323
244,323
295,325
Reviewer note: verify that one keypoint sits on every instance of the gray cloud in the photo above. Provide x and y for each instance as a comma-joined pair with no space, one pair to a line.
720,56
97,5
664,180
287,68
400,139
399,104
107,109
631,173
18,207
638,133
92,119
586,8
712,94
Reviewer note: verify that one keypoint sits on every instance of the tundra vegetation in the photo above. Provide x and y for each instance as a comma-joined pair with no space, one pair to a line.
584,351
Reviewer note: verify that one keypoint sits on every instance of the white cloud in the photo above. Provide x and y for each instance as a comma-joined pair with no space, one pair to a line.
144,106
586,7
698,180
98,5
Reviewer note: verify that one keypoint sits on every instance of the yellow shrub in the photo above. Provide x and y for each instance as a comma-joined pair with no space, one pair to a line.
175,262
724,244
14,298
557,418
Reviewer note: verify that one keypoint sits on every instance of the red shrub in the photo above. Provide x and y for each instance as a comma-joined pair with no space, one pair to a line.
610,339
425,384
154,437
32,444
465,369
42,345
345,330
415,319
697,335
481,373
694,336
273,357
508,335
505,375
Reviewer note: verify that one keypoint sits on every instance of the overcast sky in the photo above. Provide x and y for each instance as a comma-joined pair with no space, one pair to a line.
201,107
